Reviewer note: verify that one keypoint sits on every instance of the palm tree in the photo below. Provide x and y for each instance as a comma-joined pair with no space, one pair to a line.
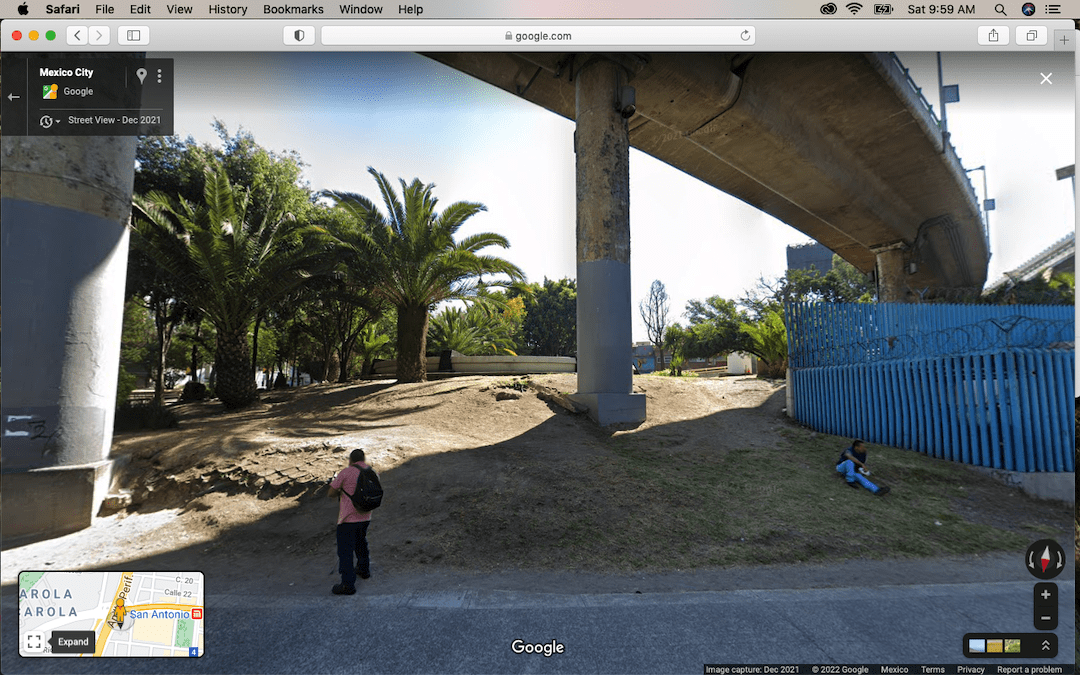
228,265
768,341
450,329
421,265
472,332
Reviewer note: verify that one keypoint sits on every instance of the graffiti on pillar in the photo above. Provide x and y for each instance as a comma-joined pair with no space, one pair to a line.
32,428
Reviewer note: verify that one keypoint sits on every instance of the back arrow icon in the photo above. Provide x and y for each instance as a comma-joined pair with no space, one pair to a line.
12,97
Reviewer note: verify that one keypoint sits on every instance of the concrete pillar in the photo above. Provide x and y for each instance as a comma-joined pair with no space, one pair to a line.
64,206
891,276
605,374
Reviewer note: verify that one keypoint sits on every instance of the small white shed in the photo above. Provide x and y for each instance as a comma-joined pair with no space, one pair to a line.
740,363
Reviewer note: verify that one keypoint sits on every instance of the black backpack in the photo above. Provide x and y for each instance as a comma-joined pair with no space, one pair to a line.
369,492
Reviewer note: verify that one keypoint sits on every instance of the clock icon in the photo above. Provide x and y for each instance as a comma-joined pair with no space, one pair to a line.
46,121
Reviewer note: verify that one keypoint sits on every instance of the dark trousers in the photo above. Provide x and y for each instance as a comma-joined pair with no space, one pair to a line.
352,539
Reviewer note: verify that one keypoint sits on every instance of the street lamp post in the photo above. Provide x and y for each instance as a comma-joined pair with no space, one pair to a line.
987,205
947,93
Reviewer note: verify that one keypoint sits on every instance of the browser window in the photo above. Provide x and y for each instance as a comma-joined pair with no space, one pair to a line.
716,337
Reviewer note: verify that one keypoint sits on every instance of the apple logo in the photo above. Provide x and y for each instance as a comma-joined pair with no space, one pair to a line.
23,11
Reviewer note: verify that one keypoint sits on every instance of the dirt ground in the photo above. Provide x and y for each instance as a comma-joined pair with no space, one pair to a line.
240,495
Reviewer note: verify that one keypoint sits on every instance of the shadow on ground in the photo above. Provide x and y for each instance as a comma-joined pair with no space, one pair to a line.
733,487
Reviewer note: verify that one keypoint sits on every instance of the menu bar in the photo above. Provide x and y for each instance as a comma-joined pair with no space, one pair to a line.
547,10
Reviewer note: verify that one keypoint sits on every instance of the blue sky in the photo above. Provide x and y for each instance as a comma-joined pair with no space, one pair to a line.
410,117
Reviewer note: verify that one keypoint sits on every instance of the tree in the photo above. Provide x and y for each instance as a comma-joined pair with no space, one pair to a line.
370,346
768,341
178,168
654,312
419,262
156,290
550,324
170,165
193,335
353,297
136,344
715,328
503,318
451,329
676,338
843,283
228,264
475,331
1058,290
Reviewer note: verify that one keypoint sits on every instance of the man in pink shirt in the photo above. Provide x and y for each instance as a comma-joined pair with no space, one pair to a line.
352,526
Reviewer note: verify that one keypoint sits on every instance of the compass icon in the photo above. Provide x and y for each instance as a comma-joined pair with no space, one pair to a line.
1045,559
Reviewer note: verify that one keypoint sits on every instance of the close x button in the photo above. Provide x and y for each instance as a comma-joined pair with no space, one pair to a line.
1045,601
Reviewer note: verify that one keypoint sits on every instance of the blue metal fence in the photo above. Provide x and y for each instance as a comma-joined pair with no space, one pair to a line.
1003,406
828,334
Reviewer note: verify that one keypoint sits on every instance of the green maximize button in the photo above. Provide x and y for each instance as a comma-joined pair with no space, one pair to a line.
50,35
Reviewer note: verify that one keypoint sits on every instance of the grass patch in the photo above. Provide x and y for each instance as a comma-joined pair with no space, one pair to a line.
633,507
517,384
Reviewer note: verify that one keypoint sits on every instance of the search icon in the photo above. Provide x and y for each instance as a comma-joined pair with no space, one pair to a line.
1000,9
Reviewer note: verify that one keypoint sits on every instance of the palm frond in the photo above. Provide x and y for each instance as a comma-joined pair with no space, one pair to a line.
452,218
395,210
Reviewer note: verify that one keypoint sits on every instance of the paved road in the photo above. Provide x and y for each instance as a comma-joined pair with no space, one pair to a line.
470,630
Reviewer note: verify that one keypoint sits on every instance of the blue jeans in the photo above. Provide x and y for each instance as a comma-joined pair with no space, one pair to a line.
352,539
851,475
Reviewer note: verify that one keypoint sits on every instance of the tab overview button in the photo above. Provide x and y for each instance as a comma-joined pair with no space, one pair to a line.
299,35
1031,35
993,36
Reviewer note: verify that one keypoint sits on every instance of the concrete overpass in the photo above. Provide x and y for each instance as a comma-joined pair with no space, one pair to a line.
842,147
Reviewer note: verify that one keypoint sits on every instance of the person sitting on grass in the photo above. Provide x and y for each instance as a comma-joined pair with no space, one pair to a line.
852,465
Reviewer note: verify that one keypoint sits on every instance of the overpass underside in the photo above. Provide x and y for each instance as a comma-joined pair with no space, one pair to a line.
839,146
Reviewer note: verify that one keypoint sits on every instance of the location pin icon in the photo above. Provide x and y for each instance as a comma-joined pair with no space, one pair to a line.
141,72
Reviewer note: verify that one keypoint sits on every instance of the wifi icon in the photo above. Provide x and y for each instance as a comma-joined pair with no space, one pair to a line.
853,7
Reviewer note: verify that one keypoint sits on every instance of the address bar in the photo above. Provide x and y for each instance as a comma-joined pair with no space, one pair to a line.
547,35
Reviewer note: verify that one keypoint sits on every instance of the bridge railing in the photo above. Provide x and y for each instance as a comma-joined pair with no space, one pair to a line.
914,87
895,64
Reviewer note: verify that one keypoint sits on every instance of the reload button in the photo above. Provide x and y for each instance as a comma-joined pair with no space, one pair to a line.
73,641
